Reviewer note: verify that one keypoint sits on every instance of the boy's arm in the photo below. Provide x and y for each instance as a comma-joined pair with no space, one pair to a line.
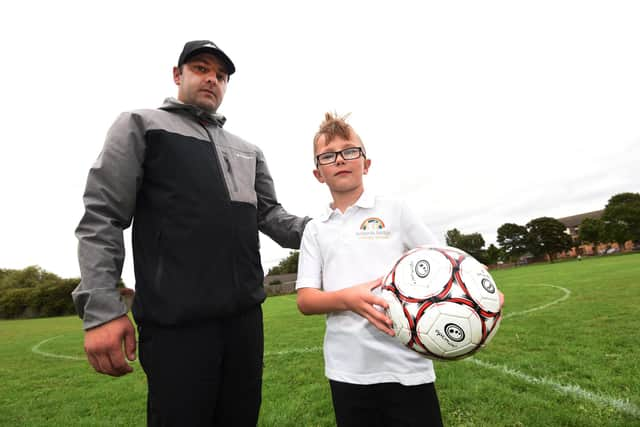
358,299
312,299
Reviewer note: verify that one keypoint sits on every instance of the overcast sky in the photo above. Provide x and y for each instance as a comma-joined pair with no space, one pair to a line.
477,113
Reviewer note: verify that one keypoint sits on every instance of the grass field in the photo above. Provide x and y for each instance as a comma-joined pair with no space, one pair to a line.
566,355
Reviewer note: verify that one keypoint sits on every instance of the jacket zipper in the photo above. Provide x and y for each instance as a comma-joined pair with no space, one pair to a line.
215,154
231,175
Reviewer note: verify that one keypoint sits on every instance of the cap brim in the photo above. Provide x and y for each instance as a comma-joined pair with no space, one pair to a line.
228,64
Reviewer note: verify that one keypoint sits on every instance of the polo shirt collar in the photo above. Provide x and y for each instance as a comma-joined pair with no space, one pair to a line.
366,201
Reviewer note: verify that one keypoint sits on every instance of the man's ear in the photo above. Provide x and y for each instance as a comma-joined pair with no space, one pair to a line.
367,164
318,175
177,75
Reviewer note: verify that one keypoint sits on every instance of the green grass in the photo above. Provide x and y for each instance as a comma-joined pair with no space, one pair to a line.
565,355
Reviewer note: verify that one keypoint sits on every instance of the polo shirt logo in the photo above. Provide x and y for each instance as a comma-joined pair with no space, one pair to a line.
373,228
372,224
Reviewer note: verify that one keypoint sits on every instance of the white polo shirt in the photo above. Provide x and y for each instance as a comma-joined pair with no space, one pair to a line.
341,250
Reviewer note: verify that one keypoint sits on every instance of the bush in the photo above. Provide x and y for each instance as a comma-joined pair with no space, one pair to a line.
34,292
14,302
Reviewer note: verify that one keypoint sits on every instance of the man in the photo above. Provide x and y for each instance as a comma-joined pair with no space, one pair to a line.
197,196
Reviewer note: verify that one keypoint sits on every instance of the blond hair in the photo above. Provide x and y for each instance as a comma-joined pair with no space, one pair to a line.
335,126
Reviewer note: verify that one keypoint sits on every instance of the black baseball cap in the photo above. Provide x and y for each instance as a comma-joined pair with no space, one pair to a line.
195,47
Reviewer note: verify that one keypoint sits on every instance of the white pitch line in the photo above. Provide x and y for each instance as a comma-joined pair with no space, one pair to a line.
293,351
36,349
622,405
566,291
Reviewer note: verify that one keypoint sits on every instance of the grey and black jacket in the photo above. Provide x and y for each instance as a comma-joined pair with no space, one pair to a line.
197,196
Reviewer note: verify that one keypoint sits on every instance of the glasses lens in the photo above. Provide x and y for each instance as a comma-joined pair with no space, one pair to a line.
326,158
351,153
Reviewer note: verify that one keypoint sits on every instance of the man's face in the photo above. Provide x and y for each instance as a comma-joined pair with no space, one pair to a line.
202,82
342,176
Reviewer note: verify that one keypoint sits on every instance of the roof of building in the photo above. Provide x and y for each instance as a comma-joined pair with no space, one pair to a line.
575,220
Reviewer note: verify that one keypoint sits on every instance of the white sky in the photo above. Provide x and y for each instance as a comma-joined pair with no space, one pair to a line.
477,113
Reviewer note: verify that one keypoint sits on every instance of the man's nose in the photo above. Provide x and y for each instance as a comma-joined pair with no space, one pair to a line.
211,78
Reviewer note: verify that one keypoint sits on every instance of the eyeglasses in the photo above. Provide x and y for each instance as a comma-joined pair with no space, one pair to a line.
351,153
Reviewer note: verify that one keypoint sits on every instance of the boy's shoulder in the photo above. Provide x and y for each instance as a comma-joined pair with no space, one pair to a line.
386,202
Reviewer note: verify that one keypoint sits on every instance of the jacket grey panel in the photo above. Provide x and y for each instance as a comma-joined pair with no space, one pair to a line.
109,201
273,220
248,179
115,178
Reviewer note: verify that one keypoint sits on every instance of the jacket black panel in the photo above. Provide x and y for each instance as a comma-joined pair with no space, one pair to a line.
196,253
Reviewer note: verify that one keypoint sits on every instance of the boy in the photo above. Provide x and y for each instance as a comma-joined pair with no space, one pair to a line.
374,380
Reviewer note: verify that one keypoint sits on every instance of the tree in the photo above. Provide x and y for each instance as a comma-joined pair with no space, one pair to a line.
513,239
617,231
287,265
473,244
547,237
493,254
624,209
592,231
453,238
470,243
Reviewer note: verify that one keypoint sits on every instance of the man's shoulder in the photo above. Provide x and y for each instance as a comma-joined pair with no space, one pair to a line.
142,115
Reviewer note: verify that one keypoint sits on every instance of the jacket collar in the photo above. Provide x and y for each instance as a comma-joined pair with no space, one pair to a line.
172,104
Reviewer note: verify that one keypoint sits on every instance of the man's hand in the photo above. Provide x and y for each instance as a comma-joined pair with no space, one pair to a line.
103,345
360,300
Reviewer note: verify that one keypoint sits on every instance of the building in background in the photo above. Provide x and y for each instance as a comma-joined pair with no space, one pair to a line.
573,229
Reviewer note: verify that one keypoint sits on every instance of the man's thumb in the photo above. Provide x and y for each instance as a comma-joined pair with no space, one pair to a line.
130,344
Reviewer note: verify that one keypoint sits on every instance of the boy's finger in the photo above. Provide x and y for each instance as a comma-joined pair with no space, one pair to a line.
384,328
375,283
374,300
380,317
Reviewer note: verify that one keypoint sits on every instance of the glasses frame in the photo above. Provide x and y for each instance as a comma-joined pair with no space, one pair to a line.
361,153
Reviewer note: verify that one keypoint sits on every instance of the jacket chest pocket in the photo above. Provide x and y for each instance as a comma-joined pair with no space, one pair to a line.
239,169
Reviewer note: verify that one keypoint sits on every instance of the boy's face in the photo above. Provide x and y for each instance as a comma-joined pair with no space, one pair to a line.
342,176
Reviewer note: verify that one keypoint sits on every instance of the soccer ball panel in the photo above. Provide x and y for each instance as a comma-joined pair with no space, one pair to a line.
449,330
480,285
492,326
422,273
395,312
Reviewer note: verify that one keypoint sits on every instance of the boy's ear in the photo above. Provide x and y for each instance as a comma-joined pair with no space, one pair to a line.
367,164
318,176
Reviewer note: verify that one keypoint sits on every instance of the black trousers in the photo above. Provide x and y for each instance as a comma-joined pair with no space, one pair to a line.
206,374
385,405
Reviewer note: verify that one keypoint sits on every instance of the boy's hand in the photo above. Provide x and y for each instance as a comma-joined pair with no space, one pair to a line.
360,300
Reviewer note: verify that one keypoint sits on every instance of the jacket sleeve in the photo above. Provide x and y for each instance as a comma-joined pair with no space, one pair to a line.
273,220
109,201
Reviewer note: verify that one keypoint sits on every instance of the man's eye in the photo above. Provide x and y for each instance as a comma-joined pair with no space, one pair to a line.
201,68
220,77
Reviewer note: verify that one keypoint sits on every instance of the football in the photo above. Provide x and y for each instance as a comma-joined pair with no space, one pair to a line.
443,303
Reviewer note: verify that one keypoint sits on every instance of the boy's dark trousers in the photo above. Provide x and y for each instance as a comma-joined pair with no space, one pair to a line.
385,405
205,374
